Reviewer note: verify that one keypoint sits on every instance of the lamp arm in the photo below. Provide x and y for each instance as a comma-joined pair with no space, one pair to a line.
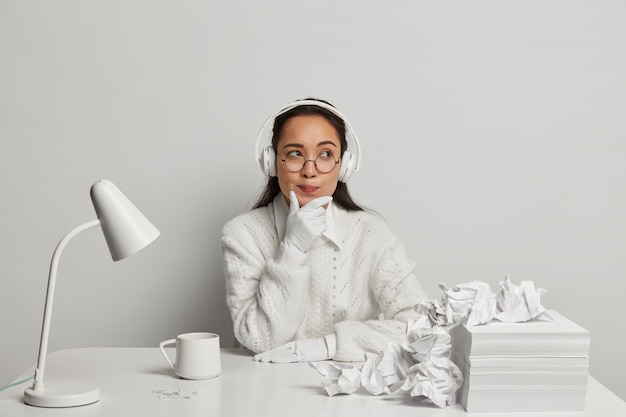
45,328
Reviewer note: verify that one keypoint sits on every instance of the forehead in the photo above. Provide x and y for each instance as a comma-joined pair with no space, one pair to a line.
308,129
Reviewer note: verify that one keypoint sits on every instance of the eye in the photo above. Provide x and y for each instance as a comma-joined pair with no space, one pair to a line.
326,155
294,154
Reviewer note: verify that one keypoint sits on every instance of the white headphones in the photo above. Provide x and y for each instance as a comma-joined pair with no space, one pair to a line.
350,160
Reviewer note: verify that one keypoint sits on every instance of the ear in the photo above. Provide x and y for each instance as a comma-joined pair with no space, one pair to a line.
267,160
347,167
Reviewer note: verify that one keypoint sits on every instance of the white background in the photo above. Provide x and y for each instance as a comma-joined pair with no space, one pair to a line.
493,135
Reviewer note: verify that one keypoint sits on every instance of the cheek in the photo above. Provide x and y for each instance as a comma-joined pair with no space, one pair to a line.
331,185
284,180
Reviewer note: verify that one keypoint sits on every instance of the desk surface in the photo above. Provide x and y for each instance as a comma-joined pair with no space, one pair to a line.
130,380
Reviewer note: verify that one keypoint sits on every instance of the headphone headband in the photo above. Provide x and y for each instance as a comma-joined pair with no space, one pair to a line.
351,138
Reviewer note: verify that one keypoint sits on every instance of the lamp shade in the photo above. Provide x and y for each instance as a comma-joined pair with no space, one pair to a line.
126,230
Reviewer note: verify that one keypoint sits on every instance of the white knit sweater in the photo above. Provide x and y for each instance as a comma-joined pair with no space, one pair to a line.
363,292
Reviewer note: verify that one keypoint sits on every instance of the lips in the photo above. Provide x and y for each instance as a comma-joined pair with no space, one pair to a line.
308,188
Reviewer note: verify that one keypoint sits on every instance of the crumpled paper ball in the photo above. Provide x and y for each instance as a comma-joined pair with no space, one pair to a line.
471,300
516,304
424,343
388,367
432,311
338,378
438,380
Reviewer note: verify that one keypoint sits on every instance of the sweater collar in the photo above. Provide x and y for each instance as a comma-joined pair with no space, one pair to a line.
333,230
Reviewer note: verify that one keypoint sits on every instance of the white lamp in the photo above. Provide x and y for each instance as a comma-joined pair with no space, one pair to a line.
126,231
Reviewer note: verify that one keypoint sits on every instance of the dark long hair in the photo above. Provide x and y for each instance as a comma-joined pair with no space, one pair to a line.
341,196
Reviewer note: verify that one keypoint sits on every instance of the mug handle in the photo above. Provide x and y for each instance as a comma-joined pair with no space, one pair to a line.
162,345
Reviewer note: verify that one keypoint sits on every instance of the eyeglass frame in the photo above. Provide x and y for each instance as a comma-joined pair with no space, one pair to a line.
309,160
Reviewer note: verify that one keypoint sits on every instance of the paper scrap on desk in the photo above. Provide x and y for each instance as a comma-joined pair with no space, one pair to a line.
516,304
176,394
438,380
388,367
338,378
473,300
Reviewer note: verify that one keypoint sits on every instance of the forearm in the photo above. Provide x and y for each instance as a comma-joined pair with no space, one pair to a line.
267,300
397,291
355,338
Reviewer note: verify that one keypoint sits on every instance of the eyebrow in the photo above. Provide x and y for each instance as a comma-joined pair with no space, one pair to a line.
299,145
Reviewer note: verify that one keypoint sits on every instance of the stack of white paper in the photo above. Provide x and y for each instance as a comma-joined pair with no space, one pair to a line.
533,366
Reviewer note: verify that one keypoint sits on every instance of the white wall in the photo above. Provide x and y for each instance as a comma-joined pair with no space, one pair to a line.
493,135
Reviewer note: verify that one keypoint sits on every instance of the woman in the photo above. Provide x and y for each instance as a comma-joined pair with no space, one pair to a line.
310,275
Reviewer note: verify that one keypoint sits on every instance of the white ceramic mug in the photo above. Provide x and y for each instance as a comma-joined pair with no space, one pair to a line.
197,355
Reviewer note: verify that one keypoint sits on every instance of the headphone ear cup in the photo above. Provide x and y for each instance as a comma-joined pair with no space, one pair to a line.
346,169
267,160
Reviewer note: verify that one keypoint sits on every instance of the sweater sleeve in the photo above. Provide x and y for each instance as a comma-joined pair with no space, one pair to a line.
266,299
396,290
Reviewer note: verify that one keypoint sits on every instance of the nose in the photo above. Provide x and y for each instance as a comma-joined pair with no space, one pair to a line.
309,170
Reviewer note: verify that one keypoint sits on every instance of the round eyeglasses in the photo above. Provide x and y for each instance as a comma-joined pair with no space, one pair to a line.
324,163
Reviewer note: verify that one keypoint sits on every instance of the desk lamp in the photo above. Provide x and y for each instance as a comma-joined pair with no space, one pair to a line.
126,231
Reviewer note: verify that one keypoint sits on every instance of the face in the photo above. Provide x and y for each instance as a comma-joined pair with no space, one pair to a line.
309,136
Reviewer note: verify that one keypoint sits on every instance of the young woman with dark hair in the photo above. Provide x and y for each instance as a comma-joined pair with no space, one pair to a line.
310,275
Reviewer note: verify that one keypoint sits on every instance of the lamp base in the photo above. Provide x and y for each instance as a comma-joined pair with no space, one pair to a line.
62,394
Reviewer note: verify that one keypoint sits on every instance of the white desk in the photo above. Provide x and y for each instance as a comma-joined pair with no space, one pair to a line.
128,378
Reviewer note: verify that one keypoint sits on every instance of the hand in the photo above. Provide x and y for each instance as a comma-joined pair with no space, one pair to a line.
304,350
306,223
